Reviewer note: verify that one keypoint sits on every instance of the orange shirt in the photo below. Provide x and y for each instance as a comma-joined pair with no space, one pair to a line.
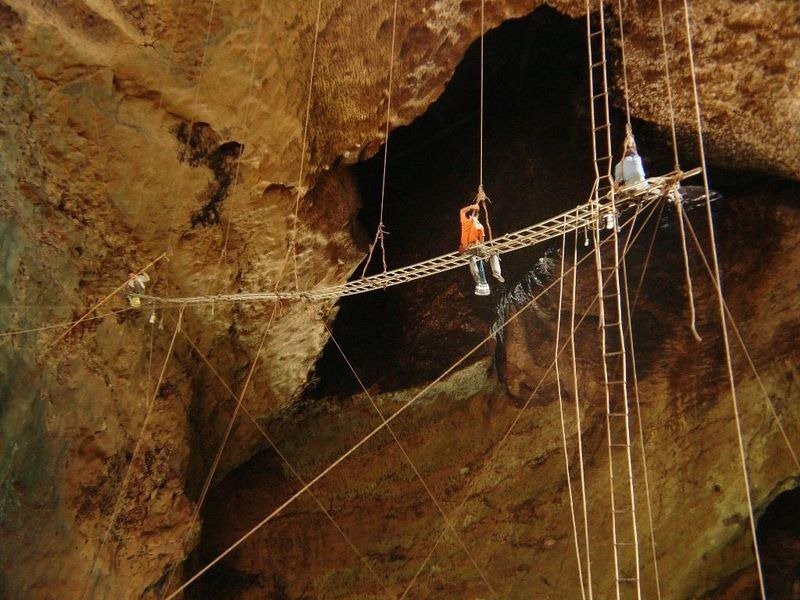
471,233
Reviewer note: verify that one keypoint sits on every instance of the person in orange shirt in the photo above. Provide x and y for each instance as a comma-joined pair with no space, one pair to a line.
472,236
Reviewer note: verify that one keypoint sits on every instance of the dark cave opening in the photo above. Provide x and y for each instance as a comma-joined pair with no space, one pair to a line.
537,163
535,152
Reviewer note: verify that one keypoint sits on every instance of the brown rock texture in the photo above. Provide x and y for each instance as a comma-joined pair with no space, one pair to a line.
132,128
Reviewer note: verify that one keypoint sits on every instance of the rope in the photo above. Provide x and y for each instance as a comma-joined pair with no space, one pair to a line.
647,258
381,230
480,151
292,249
285,460
223,443
687,271
624,68
59,325
721,300
448,523
353,449
561,415
669,85
579,431
91,584
245,119
95,307
516,419
648,500
764,392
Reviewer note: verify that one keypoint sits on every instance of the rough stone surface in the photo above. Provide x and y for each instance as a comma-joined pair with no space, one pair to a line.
132,128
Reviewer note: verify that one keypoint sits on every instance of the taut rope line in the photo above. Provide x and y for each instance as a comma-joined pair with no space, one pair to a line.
687,271
648,501
380,231
448,523
669,85
721,299
292,249
579,431
556,353
624,67
245,119
90,584
289,465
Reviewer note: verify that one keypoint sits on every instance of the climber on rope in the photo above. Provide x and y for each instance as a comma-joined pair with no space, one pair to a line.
472,236
135,288
629,173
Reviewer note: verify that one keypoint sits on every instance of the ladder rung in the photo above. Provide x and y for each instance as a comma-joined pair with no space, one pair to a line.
598,63
624,544
619,414
600,95
599,127
618,382
615,353
614,324
621,446
607,157
596,33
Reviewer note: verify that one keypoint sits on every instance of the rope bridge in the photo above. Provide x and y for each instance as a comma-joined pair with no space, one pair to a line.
585,215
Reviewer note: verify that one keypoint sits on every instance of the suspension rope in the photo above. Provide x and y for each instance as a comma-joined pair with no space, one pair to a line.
687,271
631,345
245,120
380,231
64,323
217,458
579,432
746,353
669,85
448,523
480,142
301,190
286,461
557,375
721,299
91,580
647,258
501,442
624,68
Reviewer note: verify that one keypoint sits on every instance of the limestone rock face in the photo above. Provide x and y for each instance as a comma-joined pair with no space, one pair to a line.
134,131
